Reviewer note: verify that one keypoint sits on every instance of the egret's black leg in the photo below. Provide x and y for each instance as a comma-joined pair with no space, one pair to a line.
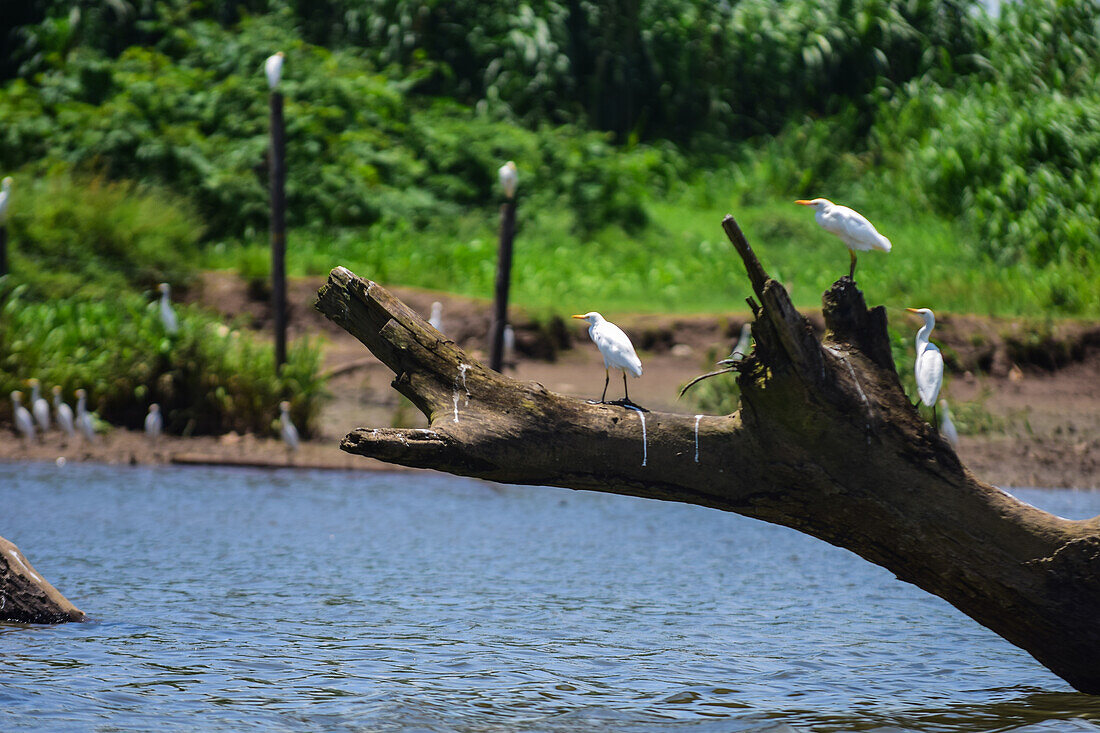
852,269
625,390
935,419
606,381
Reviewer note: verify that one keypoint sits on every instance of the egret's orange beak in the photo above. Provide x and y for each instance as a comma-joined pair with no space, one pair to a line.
804,202
911,310
580,317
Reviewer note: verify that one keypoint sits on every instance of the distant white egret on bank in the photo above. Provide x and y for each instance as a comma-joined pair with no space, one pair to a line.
617,351
435,320
5,199
39,407
154,423
63,413
286,427
929,364
947,426
273,69
851,226
24,423
167,315
741,350
84,418
509,342
509,179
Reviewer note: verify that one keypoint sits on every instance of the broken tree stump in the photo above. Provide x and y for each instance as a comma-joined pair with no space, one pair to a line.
825,442
25,596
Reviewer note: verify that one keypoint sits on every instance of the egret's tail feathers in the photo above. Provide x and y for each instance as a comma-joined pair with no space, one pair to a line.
884,244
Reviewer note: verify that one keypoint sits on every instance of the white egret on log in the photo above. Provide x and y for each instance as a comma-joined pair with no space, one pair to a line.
287,429
947,426
929,364
24,423
617,351
154,423
436,318
851,226
5,198
167,315
741,350
64,413
509,179
84,418
39,407
273,68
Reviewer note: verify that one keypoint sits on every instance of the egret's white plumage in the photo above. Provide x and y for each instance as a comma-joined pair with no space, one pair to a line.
273,69
509,340
154,422
614,345
947,426
286,427
929,364
39,407
84,418
24,423
63,413
436,318
509,178
5,199
851,226
741,350
167,315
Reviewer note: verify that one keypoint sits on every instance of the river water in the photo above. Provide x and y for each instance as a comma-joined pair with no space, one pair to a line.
229,600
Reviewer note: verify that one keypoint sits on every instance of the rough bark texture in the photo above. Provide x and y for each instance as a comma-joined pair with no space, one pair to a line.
25,596
825,442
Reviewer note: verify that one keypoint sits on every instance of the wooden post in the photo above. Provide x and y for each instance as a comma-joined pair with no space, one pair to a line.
504,277
3,249
278,227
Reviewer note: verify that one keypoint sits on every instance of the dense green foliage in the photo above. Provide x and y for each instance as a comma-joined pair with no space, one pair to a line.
208,378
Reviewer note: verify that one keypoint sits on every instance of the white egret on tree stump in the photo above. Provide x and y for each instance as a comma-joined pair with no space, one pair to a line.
5,198
851,226
617,351
947,426
39,407
929,364
286,427
273,69
436,318
154,423
167,315
741,350
24,423
84,418
509,179
64,414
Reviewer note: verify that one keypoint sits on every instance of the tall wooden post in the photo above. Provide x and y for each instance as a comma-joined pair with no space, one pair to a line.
278,227
3,249
504,278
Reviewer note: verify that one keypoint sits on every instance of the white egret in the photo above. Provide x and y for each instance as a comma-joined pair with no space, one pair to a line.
436,319
64,414
167,315
84,418
154,423
24,423
616,349
741,350
5,198
273,68
947,426
929,364
851,226
509,342
39,407
509,178
289,432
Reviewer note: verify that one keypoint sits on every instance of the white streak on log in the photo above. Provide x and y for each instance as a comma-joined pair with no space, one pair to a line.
645,446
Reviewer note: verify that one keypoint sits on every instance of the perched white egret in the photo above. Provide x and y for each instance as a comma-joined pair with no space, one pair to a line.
273,68
509,341
39,407
5,198
929,364
851,226
154,423
63,413
509,178
24,423
167,315
741,350
436,319
289,432
84,418
947,426
616,349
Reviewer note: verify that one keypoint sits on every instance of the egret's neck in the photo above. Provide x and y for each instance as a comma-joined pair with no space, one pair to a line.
923,334
80,404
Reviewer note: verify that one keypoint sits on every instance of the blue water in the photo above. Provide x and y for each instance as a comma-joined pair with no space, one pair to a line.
230,600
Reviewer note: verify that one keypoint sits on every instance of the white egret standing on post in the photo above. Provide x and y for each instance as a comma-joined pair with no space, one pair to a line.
286,427
84,418
167,315
851,226
929,364
616,349
64,414
509,179
39,407
154,423
24,423
5,197
273,69
947,426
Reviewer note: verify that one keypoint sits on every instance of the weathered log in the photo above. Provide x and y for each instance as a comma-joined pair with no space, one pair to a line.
25,596
825,442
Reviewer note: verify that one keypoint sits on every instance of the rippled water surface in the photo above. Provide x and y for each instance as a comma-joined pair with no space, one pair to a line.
232,600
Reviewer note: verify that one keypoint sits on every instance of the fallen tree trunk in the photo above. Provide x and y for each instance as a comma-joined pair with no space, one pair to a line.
825,442
25,596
